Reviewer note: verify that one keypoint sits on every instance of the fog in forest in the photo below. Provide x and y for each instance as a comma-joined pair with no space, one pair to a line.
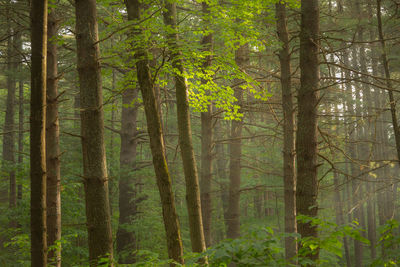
199,133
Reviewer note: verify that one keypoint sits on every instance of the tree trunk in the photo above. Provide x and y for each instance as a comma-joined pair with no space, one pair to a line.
206,146
185,134
235,146
339,209
289,179
221,171
352,150
126,240
377,147
381,154
357,192
20,120
385,63
390,195
357,154
171,224
368,135
38,132
92,133
8,137
53,197
306,138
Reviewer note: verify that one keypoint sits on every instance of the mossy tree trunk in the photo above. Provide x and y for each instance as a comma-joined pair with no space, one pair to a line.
185,133
164,183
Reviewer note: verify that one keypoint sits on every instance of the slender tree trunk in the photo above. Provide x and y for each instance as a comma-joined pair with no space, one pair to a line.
20,121
380,152
365,147
38,132
235,153
391,195
20,135
378,146
206,146
389,85
185,134
353,151
221,171
339,200
53,197
358,153
258,200
171,224
357,187
289,178
306,138
8,137
126,239
339,215
206,173
92,133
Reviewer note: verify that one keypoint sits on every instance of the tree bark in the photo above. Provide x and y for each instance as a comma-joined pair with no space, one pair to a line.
390,195
352,150
289,178
8,137
357,192
306,138
92,133
126,239
38,132
368,135
221,171
185,134
170,217
206,146
20,121
339,209
235,146
389,85
53,197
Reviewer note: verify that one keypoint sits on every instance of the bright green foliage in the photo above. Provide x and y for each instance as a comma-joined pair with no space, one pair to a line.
232,23
390,241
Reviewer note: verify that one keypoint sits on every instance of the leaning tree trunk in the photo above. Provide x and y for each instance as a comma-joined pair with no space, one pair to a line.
171,224
92,133
289,178
126,239
185,134
53,197
306,138
38,132
235,153
206,145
